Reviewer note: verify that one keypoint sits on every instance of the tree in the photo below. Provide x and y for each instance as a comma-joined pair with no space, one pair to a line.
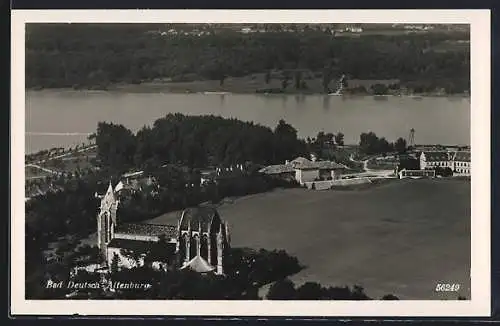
281,290
284,83
298,79
369,143
116,145
390,297
310,291
358,293
447,172
339,139
267,77
379,89
115,263
222,78
400,145
286,142
327,78
132,255
383,146
160,251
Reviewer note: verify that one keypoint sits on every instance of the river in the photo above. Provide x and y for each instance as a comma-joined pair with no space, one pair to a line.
65,118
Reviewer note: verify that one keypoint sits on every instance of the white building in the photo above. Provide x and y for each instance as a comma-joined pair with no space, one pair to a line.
434,159
457,161
462,163
416,174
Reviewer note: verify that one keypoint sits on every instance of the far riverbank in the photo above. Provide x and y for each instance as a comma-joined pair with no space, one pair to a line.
253,84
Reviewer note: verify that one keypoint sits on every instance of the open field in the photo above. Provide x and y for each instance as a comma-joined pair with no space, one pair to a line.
70,164
403,237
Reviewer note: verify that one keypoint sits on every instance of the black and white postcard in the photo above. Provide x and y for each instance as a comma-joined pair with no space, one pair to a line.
251,163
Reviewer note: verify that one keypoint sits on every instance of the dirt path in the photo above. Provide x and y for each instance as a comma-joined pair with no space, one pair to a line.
64,155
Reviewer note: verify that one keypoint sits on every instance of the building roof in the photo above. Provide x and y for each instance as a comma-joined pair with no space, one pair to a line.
277,169
305,164
109,202
327,165
462,156
301,163
199,265
132,174
170,231
300,160
436,156
134,245
201,216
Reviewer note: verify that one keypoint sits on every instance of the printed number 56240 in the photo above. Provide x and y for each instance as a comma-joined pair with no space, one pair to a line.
447,287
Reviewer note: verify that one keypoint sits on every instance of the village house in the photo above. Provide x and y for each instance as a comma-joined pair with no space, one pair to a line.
217,174
457,161
135,182
462,162
303,170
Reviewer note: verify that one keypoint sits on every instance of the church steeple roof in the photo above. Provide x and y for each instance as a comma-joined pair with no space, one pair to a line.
109,202
109,192
109,197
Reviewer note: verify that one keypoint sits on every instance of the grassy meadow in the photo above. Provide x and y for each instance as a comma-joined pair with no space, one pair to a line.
399,238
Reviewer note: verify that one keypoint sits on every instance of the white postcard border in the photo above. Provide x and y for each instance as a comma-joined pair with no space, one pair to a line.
480,302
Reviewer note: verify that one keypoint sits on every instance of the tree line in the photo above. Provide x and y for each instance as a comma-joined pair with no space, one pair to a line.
370,144
246,271
196,141
98,55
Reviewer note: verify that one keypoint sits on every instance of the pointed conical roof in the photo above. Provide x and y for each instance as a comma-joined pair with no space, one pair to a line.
109,202
109,192
199,265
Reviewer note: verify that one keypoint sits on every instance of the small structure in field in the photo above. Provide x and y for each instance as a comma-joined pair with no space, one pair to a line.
416,174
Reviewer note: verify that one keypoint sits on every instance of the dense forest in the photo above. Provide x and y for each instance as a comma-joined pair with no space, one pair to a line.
98,55
196,141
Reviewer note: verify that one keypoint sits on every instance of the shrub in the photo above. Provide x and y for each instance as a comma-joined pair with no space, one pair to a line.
390,297
282,290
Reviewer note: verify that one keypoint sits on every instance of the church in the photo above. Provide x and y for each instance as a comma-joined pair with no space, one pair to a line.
199,241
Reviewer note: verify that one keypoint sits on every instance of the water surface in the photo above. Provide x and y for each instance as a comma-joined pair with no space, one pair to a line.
65,118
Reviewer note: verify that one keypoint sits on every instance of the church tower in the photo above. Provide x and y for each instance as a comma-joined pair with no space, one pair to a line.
106,220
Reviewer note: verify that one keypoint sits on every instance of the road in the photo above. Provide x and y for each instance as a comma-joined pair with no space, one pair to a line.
37,166
369,172
43,169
